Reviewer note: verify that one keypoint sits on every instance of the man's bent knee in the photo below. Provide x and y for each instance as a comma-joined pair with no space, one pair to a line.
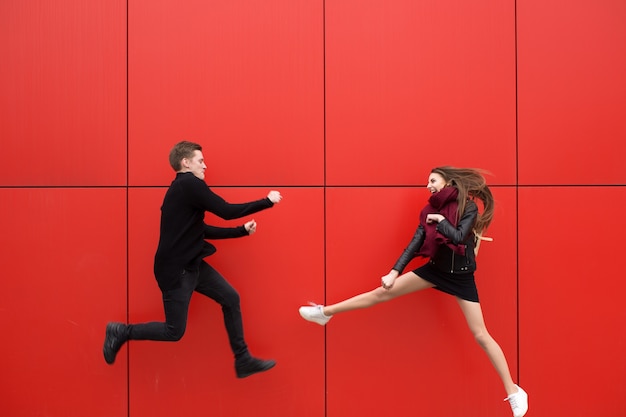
174,333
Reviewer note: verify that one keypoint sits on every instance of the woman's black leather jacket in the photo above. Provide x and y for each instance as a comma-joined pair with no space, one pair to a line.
446,259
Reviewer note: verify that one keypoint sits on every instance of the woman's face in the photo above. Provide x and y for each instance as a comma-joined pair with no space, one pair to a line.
435,183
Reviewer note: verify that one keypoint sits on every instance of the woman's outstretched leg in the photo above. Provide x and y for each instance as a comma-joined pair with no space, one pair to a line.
404,284
475,320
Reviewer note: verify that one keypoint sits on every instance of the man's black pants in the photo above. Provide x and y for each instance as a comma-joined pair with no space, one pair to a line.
206,281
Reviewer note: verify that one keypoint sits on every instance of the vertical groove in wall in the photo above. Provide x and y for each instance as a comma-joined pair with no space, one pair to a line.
325,257
517,196
127,227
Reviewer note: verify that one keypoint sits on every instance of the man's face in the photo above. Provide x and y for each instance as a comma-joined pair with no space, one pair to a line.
195,164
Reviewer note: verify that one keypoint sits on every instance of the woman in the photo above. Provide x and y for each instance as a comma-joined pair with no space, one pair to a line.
449,233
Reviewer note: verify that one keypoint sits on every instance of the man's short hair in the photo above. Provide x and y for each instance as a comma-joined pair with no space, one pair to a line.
181,150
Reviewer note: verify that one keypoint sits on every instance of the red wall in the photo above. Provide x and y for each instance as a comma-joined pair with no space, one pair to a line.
344,106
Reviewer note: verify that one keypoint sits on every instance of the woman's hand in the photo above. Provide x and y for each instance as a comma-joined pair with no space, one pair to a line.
388,280
434,217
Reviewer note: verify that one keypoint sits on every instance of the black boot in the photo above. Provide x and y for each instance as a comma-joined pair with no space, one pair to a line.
251,366
113,341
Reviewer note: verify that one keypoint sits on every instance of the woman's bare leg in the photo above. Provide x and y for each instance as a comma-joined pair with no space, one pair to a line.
404,284
475,320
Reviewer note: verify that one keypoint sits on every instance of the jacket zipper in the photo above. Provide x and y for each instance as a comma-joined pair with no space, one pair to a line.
452,266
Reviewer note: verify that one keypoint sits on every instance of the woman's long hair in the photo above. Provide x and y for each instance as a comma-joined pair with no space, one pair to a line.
471,184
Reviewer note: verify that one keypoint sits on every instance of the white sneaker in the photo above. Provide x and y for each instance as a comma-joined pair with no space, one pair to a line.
518,402
314,313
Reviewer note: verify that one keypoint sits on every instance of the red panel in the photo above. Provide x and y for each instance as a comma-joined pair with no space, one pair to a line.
572,91
64,276
412,354
419,84
244,78
63,101
274,271
571,301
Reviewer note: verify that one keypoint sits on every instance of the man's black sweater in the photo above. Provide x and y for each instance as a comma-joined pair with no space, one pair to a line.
181,242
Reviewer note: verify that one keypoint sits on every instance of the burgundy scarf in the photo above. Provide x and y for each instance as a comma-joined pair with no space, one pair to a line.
444,203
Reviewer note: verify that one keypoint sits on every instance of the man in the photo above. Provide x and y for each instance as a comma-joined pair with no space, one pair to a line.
179,267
